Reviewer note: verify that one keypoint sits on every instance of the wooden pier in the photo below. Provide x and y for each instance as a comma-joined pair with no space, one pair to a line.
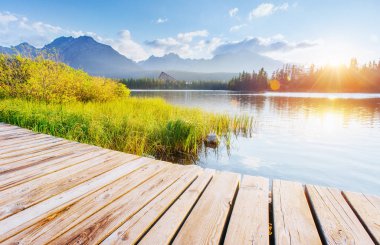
60,192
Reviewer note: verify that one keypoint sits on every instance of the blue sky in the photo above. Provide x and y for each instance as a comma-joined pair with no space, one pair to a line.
324,31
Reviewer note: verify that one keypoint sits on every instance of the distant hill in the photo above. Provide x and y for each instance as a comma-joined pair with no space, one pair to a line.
186,75
227,63
102,60
93,57
81,53
166,77
24,49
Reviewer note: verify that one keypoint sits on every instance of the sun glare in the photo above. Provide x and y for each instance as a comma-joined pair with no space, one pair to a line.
336,53
331,120
331,97
337,60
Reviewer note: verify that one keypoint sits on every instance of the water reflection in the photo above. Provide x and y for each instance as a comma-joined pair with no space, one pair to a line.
320,138
335,111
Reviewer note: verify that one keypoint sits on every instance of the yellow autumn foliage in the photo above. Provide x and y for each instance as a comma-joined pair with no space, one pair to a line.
50,81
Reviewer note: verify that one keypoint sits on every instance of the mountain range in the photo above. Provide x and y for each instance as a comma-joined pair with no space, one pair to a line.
102,60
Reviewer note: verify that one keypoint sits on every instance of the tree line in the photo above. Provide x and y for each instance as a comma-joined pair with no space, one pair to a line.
155,83
292,78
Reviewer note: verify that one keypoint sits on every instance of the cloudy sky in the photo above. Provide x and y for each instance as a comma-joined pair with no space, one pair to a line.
300,31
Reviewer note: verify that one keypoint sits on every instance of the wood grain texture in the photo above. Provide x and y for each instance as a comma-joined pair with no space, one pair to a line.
167,226
98,226
18,130
337,221
21,220
29,145
250,213
17,198
293,220
62,218
136,226
8,143
26,151
5,126
17,173
14,131
13,135
367,208
207,220
54,191
35,155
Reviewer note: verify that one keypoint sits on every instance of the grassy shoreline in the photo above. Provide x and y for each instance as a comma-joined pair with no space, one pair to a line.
142,126
50,97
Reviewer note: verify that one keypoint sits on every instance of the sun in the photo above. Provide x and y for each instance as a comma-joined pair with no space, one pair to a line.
337,58
336,53
336,61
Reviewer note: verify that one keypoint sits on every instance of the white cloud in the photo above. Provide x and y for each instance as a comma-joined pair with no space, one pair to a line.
16,29
6,18
161,20
262,45
188,36
237,27
266,9
125,45
326,52
192,45
233,12
197,44
43,28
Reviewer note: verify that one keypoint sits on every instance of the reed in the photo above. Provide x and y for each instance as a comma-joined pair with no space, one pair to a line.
142,126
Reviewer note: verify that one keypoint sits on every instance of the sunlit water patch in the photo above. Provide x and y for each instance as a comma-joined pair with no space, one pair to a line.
326,139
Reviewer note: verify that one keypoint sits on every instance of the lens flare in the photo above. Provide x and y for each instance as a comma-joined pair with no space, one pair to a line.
274,85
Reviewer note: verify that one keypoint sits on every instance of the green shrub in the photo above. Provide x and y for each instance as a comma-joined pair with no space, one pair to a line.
54,82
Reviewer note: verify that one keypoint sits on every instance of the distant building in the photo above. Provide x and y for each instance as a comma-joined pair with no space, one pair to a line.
166,77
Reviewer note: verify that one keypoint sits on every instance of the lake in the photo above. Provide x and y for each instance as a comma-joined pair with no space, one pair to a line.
326,139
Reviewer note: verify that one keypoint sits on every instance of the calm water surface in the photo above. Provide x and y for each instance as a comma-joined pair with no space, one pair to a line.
326,139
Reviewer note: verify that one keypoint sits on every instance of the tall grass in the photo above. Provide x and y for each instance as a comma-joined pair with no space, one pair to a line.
142,126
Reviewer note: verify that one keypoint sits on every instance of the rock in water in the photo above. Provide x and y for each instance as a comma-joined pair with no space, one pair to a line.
212,140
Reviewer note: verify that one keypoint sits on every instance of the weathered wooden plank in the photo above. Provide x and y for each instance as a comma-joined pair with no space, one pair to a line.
13,130
39,148
10,136
167,226
8,143
21,163
335,218
28,145
367,208
98,226
20,132
73,192
249,223
136,226
293,220
60,217
5,126
35,155
22,172
16,131
5,136
207,220
16,199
